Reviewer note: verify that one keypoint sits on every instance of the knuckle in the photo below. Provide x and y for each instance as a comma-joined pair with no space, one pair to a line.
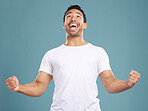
132,74
7,80
131,77
138,77
10,78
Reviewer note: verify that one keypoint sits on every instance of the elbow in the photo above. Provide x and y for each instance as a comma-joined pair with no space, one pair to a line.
36,95
41,94
110,91
109,86
40,90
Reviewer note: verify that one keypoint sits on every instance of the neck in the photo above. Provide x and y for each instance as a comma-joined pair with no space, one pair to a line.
75,41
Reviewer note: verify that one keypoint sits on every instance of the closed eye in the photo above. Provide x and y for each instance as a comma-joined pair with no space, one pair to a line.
68,16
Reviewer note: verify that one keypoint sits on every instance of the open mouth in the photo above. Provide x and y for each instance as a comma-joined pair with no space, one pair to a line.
73,27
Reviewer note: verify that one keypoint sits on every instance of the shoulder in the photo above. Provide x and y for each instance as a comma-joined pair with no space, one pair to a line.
98,48
52,51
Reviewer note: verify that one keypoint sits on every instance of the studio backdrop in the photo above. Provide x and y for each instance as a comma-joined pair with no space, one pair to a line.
29,28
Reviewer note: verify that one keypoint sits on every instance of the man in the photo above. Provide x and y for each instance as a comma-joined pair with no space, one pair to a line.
74,66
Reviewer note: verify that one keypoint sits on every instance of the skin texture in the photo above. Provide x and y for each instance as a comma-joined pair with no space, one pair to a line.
113,85
74,37
34,89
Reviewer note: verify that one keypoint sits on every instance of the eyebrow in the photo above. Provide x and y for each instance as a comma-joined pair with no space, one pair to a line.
75,12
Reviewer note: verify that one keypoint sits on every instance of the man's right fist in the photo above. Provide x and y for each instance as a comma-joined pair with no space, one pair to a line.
12,83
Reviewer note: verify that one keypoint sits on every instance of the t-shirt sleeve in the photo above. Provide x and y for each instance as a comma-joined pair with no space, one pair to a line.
46,65
103,62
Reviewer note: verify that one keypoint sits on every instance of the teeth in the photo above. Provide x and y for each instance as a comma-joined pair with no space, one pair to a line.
73,25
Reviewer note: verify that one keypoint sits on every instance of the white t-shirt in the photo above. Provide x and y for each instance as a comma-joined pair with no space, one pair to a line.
75,70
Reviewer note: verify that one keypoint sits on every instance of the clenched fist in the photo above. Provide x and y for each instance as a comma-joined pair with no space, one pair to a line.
133,78
12,83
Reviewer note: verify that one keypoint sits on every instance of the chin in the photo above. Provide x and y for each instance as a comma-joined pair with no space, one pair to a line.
72,35
75,34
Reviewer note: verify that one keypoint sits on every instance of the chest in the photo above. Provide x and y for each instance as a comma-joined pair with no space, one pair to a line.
80,58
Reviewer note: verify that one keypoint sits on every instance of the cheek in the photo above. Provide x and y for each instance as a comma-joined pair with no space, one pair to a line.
65,25
67,20
81,21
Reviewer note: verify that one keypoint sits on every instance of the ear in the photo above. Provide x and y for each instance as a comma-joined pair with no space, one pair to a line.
85,26
63,25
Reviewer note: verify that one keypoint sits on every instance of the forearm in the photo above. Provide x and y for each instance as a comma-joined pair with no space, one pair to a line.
32,89
113,85
116,86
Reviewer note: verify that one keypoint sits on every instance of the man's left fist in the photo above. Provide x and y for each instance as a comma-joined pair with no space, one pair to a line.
133,78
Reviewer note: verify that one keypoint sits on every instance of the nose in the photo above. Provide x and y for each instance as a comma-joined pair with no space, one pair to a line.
73,18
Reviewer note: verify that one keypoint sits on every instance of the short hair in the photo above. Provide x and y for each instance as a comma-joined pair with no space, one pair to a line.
75,7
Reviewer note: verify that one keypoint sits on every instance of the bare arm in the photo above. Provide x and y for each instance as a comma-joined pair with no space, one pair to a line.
34,89
113,85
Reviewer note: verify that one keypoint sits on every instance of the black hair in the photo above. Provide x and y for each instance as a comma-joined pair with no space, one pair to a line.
75,7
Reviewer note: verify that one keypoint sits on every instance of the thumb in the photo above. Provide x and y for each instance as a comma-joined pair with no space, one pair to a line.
17,83
131,72
16,80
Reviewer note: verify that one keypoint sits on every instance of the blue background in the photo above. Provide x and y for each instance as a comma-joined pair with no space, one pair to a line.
29,28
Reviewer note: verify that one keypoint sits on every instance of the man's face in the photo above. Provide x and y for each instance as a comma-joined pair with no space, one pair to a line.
74,23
